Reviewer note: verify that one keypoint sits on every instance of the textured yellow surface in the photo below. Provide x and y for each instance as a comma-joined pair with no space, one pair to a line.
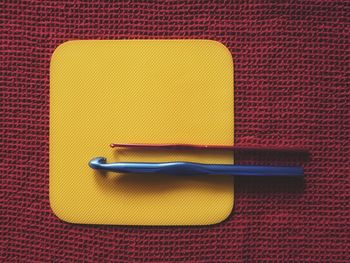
139,91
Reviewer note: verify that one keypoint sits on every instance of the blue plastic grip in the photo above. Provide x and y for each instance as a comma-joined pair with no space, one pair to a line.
188,168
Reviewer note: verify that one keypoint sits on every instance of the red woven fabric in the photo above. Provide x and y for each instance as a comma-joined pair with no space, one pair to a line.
291,88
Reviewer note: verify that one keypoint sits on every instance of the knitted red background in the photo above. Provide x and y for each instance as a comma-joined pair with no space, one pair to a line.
291,88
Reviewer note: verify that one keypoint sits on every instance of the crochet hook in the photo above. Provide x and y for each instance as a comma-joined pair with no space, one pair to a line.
213,147
189,168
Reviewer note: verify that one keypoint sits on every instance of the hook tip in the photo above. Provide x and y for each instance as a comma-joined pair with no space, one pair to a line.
96,162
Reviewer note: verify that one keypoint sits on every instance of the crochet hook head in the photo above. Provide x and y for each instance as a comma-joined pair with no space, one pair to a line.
97,163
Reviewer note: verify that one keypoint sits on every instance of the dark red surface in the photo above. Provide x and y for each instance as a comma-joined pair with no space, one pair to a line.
291,89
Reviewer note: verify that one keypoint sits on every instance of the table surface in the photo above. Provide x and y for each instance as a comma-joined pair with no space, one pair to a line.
291,89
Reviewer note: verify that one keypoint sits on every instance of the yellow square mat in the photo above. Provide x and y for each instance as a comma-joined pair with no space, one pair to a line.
139,91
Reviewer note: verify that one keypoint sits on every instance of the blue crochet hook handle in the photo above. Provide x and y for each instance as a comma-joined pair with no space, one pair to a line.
188,168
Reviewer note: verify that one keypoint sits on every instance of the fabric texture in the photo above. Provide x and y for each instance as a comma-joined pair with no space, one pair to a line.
291,89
